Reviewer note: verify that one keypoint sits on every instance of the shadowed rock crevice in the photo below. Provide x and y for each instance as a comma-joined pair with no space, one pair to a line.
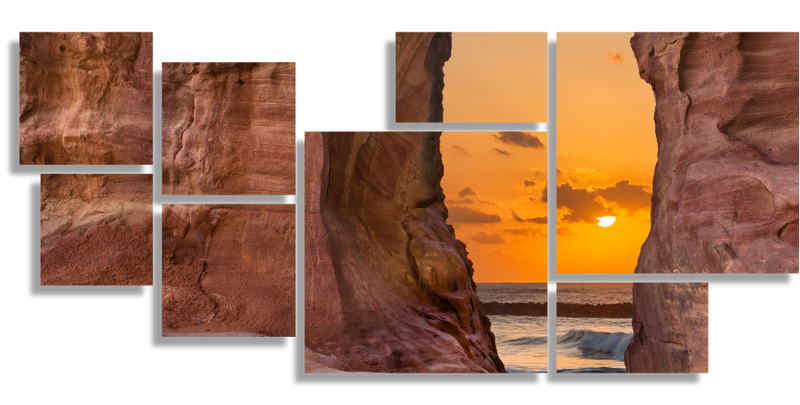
419,75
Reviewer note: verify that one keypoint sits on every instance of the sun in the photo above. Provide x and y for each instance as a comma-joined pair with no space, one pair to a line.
605,222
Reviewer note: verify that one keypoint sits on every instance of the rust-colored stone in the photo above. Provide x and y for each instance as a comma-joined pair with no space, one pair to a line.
725,189
228,270
228,128
85,98
419,75
387,287
97,229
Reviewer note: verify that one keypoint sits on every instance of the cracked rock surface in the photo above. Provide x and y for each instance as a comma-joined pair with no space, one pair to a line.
725,189
228,128
86,98
97,229
228,270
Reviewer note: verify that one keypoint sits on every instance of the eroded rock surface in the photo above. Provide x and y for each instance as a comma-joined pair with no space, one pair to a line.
725,190
86,98
670,328
97,229
228,128
228,270
419,75
424,315
388,287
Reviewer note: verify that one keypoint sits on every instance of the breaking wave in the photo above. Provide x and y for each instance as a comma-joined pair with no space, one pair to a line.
596,345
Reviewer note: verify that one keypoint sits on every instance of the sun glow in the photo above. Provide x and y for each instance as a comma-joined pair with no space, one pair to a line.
605,222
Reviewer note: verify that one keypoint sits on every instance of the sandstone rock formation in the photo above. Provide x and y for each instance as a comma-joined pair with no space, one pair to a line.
725,189
388,287
228,270
670,328
419,75
97,229
228,128
318,363
85,98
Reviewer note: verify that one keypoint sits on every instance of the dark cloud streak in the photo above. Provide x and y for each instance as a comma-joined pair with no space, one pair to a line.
501,152
465,192
470,216
523,139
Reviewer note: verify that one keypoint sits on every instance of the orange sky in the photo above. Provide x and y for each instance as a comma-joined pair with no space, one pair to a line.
606,153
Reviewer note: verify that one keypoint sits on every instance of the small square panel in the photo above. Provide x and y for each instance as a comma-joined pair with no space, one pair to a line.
228,128
228,270
97,229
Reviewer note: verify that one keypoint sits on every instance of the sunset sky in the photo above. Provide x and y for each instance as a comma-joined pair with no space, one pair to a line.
495,181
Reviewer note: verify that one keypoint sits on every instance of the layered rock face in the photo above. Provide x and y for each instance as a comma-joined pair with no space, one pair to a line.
388,287
419,75
725,189
86,98
228,270
228,128
97,229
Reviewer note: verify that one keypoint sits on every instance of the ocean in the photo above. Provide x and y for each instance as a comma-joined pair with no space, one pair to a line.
592,339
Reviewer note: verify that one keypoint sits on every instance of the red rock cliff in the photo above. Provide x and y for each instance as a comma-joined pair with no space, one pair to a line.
388,287
725,189
419,75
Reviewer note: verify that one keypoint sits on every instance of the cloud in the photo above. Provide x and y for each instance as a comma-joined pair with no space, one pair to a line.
461,201
534,232
539,171
565,231
582,203
470,216
529,183
483,237
536,220
615,57
544,194
461,152
630,197
465,192
501,152
523,139
579,175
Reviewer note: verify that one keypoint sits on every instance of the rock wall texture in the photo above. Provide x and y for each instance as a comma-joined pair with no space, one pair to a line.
388,287
725,189
97,229
228,270
228,128
419,75
670,328
85,98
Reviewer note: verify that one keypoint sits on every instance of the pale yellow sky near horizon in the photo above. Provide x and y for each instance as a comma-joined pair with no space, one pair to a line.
606,135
